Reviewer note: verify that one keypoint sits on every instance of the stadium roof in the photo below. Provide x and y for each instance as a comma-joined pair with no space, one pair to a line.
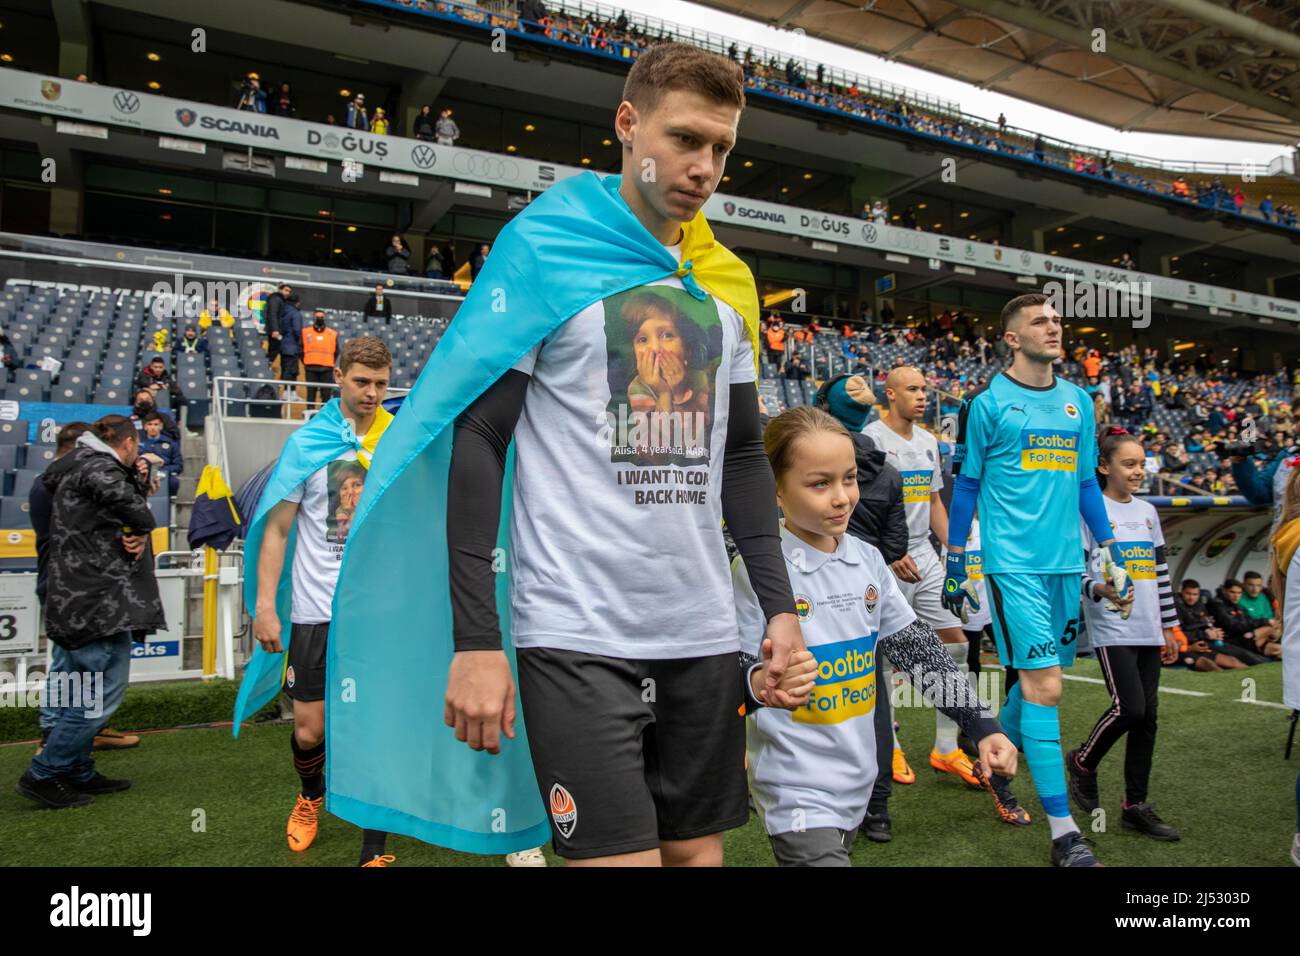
1228,70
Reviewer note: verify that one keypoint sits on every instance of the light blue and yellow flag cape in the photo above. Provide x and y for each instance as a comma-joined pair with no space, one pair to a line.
391,762
313,446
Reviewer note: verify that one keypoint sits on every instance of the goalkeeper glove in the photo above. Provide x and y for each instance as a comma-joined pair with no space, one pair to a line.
1115,573
959,590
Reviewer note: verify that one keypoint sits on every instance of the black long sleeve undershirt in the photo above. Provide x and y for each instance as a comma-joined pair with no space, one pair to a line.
479,442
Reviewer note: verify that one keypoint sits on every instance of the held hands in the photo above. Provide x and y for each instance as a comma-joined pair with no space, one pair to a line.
798,682
958,589
480,701
998,755
783,639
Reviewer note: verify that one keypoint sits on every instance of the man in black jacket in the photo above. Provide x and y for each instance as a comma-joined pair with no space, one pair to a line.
40,506
1206,648
379,305
274,304
1239,628
101,595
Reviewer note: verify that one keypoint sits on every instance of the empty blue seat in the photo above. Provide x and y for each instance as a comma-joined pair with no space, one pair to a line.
73,394
15,513
13,432
37,457
23,482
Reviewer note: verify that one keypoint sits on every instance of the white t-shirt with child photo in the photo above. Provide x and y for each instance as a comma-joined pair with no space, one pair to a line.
616,523
327,501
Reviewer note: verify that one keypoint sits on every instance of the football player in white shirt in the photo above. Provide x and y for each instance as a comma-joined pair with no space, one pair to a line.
812,768
915,453
1130,641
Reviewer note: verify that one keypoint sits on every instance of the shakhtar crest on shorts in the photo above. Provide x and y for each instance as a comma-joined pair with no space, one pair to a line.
871,597
288,676
564,812
803,606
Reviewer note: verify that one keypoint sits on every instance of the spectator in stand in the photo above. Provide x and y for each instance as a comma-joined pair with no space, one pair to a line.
396,255
8,355
1205,650
216,312
190,342
775,337
1126,261
379,125
476,263
290,344
795,370
251,96
1238,627
379,306
424,124
436,262
162,450
101,595
1238,200
144,404
320,346
271,315
156,378
281,103
1266,208
446,132
356,116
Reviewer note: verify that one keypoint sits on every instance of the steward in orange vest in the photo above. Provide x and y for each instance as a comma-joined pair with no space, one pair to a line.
319,354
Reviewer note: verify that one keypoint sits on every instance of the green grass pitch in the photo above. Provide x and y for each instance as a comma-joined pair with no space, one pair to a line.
1219,776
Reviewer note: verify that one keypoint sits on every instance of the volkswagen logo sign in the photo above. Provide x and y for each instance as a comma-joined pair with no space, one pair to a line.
423,156
125,101
869,232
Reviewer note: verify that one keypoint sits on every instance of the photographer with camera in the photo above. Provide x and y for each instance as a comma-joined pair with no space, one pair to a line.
1264,485
251,96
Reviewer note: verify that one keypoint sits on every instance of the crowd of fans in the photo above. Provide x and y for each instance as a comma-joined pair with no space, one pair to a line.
1224,414
626,39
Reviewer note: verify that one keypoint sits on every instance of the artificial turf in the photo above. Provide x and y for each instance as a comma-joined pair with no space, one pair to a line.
1219,776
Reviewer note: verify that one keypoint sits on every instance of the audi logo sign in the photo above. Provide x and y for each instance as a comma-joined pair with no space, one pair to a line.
907,240
423,156
486,167
125,101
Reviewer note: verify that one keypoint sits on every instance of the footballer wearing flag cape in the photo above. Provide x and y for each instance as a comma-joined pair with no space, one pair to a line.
392,762
323,439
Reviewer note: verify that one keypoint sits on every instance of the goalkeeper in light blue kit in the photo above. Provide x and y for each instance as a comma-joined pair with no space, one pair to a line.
1026,445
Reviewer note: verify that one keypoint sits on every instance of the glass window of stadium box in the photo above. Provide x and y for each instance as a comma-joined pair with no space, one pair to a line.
30,38
136,220
24,208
